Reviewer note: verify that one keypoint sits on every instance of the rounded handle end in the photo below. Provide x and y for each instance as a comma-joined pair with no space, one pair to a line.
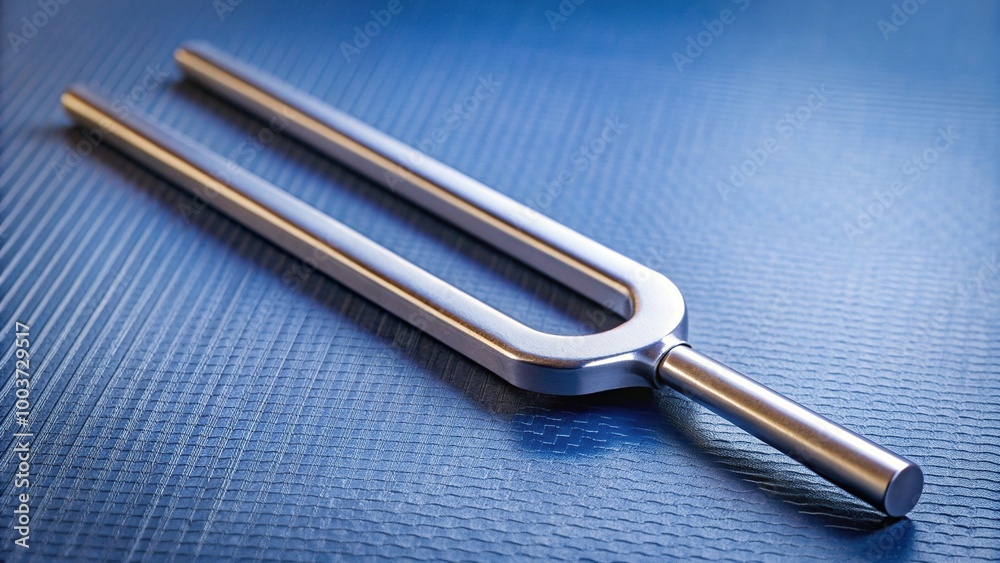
874,474
903,491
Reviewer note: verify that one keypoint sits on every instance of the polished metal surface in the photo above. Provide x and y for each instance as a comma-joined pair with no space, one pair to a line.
648,349
625,356
876,475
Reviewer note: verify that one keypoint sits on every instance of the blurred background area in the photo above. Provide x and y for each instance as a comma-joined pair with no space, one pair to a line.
820,180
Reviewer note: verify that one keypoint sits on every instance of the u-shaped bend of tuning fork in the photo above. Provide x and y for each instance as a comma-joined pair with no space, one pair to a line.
648,349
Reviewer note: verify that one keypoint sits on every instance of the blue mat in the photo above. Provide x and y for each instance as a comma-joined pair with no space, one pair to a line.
820,180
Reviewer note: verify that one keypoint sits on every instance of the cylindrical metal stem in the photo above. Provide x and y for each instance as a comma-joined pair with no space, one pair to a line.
525,357
872,473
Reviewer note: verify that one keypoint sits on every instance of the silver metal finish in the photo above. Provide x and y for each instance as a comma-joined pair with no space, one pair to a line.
870,472
648,349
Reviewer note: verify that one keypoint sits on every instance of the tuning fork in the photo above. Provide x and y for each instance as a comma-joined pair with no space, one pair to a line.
648,350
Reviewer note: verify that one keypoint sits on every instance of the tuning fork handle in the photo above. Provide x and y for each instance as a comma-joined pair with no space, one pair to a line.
649,349
874,474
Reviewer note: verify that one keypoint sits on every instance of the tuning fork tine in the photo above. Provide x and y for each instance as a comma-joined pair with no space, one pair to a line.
648,350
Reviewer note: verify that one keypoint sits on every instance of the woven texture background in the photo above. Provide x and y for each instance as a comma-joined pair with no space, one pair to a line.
196,393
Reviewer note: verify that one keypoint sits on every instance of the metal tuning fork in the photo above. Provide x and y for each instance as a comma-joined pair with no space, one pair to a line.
647,350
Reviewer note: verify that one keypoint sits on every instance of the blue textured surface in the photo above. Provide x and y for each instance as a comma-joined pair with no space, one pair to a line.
196,394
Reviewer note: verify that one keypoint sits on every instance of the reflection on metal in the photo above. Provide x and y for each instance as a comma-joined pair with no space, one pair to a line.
649,349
